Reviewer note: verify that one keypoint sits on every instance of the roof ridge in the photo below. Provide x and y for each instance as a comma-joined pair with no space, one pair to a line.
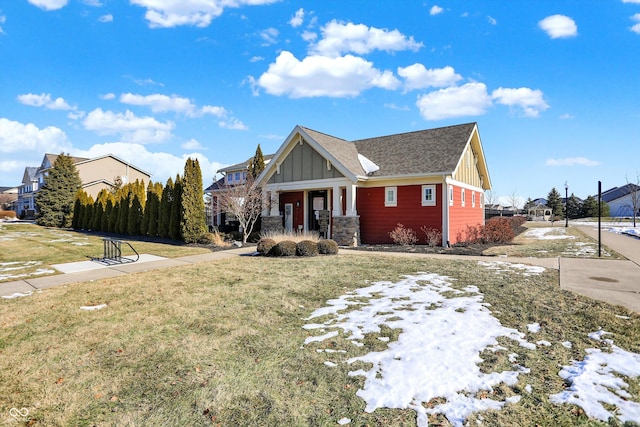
417,131
323,133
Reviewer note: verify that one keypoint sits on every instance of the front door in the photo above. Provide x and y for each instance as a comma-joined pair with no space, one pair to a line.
318,213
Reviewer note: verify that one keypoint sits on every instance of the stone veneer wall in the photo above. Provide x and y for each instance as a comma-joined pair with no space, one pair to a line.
272,224
346,230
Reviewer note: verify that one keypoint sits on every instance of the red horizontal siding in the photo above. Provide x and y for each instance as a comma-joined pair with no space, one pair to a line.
462,216
377,220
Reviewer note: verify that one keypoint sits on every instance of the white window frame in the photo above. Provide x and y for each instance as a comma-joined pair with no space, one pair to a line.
451,195
432,200
462,196
393,200
473,199
229,178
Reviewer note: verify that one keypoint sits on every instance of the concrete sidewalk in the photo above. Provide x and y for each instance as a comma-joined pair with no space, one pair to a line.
87,271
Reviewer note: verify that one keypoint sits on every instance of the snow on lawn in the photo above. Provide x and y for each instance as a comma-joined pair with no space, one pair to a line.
11,269
597,380
548,233
437,354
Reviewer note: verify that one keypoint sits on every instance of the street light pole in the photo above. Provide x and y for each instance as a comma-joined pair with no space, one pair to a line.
566,204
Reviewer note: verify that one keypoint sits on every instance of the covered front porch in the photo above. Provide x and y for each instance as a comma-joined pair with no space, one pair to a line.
327,207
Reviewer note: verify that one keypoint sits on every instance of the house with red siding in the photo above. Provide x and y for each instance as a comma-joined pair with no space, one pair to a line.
356,192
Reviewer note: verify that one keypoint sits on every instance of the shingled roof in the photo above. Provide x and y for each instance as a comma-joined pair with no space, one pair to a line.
425,152
342,150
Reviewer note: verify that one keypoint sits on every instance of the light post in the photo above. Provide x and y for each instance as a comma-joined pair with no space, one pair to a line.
566,204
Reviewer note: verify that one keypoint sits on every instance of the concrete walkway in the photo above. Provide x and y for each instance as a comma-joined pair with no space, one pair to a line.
613,281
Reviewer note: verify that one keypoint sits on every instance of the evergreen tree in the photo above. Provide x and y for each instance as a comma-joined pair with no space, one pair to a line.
144,225
256,165
55,200
590,208
176,210
574,207
529,204
99,209
152,209
134,217
164,216
87,217
554,202
193,223
107,223
77,213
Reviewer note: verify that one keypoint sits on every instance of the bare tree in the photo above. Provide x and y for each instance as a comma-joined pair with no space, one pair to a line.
515,202
244,202
634,194
489,198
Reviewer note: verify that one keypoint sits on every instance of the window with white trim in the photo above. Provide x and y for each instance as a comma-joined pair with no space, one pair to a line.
463,198
428,195
391,196
473,199
451,196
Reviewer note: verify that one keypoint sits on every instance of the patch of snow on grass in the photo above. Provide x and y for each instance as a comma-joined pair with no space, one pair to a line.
597,380
436,354
548,233
17,295
93,307
533,327
503,266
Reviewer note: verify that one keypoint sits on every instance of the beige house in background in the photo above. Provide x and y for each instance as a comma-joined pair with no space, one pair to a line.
96,174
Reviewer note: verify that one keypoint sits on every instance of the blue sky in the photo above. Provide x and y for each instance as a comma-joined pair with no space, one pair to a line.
553,85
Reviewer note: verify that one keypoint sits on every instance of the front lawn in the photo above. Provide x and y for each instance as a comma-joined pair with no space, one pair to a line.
223,343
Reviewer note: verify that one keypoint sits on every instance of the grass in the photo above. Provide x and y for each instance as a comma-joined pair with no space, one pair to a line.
28,250
221,344
293,236
578,245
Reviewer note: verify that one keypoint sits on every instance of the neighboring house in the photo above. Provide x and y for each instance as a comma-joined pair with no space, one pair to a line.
231,176
620,200
96,174
8,198
358,191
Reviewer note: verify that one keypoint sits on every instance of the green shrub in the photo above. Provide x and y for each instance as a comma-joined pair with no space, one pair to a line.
306,248
265,245
327,247
284,248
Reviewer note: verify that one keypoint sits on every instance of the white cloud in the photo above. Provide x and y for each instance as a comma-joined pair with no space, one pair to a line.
160,165
317,75
108,96
94,3
16,137
143,82
396,107
159,103
631,1
199,13
49,4
192,144
559,26
256,59
132,128
3,19
470,99
435,10
530,101
269,36
309,36
567,116
417,76
636,27
339,38
491,20
44,100
297,19
572,161
106,18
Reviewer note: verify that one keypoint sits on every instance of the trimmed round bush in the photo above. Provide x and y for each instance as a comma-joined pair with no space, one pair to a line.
327,247
265,245
283,248
307,248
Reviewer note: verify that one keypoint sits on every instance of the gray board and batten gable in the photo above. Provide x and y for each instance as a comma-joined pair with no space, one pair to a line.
421,153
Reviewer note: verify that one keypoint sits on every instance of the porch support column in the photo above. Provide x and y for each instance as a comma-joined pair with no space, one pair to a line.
275,203
337,204
351,200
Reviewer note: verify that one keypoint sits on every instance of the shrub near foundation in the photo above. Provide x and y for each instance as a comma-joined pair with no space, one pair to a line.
284,248
265,245
327,247
307,248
